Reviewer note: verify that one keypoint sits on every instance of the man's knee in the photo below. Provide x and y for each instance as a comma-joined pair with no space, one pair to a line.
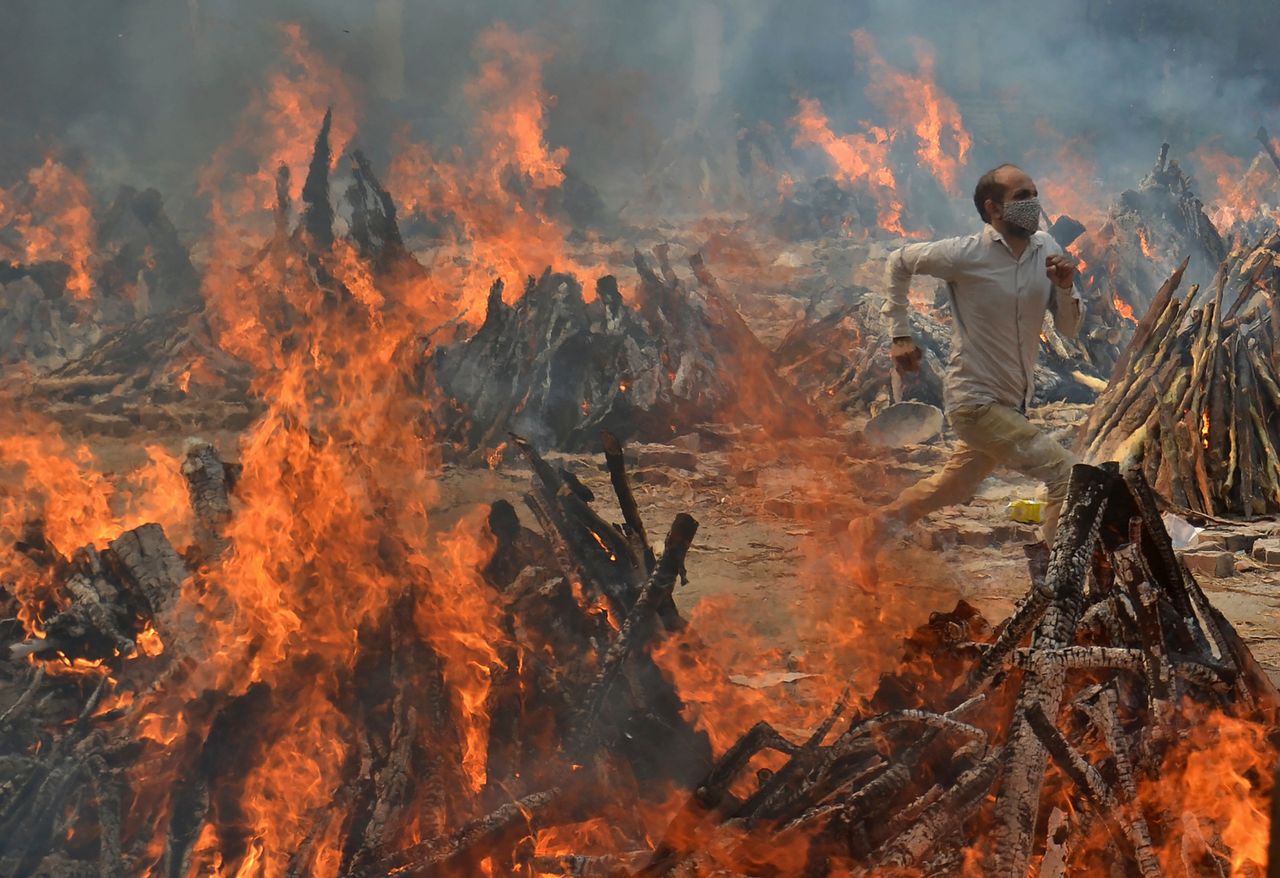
1058,476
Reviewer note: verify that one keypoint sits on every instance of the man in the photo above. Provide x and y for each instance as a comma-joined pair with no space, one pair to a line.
1000,282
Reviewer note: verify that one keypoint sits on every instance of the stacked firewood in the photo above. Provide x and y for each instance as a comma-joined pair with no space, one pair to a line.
1194,399
560,368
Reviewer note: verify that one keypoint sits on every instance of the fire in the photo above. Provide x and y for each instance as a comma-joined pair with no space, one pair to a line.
1068,178
861,160
1221,780
53,221
1123,308
916,103
491,204
1145,243
1236,194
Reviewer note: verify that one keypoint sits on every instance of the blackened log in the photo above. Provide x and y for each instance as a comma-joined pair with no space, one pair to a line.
209,484
616,462
438,856
638,626
1087,496
317,215
147,564
944,816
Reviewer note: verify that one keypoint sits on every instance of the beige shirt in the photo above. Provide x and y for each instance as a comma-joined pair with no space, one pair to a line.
997,304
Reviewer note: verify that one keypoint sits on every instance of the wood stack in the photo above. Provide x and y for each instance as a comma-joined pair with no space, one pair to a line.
560,369
1119,635
1194,399
573,690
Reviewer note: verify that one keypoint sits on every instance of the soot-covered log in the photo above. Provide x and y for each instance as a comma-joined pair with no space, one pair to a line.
558,368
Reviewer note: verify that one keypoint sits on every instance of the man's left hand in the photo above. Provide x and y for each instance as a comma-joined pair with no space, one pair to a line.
1061,270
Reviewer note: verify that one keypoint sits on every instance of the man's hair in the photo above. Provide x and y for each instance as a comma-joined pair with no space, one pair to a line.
989,188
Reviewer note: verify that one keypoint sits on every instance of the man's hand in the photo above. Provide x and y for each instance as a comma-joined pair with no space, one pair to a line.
906,354
1061,270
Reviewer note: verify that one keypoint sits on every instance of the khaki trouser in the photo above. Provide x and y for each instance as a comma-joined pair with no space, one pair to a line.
992,435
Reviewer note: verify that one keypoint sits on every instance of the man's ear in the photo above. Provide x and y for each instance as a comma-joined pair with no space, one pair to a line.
992,209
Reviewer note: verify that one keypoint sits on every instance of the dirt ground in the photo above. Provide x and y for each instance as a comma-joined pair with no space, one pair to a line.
768,513
765,555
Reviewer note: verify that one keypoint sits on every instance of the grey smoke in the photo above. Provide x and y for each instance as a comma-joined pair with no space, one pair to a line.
141,91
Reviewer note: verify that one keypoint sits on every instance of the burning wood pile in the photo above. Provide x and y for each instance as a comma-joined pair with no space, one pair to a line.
1148,231
66,279
560,369
1060,737
1194,399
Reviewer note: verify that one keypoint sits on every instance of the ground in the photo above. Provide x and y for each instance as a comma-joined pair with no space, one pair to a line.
767,589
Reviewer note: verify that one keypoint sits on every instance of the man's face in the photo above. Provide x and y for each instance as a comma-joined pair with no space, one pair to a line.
1018,186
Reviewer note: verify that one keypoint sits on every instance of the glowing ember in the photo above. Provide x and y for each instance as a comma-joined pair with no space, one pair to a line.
1123,308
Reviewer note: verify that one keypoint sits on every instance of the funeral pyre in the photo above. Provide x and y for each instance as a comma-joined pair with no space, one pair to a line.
311,689
1195,396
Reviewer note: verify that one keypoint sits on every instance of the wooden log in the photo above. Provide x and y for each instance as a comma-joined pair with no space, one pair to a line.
616,462
1133,833
1243,398
1143,332
637,627
1087,497
943,817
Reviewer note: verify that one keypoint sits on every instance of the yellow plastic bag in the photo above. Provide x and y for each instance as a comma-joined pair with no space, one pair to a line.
1026,511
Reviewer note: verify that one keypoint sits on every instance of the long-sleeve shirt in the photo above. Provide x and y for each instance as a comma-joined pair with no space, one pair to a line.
997,305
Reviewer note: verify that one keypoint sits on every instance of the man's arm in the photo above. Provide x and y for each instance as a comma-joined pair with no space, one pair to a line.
1064,301
935,258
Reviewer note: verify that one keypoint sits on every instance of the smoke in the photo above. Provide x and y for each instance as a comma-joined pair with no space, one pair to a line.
142,91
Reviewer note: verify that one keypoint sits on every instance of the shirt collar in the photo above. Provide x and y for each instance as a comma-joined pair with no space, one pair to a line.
992,235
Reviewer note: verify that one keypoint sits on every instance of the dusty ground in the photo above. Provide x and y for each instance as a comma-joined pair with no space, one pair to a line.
765,556
767,512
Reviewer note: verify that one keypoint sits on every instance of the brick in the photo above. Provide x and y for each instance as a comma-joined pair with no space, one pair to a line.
663,455
1242,542
973,534
1215,564
1267,551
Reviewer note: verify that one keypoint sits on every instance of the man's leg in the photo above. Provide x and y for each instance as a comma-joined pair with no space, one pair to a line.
955,483
1005,435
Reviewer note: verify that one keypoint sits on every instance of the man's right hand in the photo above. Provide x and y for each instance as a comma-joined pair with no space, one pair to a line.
906,354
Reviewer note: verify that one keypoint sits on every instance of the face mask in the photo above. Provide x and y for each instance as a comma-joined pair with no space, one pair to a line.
1024,214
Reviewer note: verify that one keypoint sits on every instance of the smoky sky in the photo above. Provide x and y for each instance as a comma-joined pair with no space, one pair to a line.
142,91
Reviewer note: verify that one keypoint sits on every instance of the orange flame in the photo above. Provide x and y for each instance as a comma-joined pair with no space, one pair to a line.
858,159
493,203
916,103
1123,308
54,222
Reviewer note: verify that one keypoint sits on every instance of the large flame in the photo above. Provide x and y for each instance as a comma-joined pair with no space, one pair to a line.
861,160
53,221
491,201
914,102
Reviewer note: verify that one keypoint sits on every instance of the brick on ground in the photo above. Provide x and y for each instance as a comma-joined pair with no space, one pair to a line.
1210,563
